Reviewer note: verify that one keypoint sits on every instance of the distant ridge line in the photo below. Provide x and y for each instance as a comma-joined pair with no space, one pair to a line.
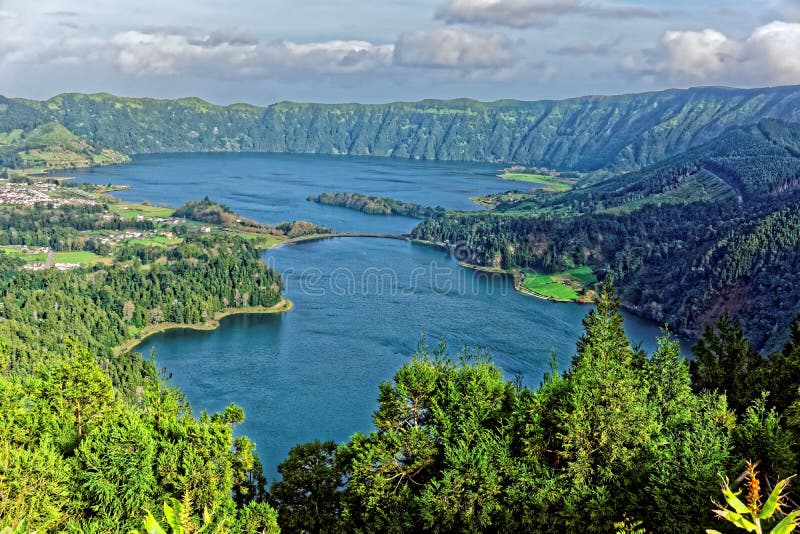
456,100
585,134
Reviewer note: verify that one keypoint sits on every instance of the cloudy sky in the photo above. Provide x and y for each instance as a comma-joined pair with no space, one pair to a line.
262,51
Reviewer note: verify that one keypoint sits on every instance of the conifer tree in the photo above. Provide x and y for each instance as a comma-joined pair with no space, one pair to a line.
726,362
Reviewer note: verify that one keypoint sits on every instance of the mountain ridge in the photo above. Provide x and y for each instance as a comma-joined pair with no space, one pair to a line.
440,100
587,134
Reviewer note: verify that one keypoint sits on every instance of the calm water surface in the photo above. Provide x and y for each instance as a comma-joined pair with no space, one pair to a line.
273,188
361,304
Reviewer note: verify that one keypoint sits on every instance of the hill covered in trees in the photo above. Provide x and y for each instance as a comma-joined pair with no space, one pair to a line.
375,205
584,134
715,228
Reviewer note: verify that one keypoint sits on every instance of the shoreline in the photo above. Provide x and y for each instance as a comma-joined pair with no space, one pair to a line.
496,270
214,323
284,305
518,283
518,287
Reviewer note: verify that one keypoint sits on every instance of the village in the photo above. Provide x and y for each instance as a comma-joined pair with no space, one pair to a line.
117,223
48,193
24,194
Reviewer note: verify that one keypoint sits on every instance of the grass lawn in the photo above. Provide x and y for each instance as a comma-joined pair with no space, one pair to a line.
568,285
80,256
131,211
271,241
262,240
550,183
156,240
583,275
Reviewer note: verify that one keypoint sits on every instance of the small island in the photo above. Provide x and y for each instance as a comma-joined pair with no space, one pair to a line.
373,205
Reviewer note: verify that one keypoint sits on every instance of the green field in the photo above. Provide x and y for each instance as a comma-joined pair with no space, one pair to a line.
12,251
269,242
156,240
550,183
262,241
131,211
568,285
80,256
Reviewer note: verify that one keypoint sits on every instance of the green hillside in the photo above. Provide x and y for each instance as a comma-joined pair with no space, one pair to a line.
618,132
52,146
710,230
747,163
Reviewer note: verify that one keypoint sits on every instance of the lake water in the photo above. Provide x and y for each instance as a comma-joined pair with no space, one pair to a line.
273,188
361,305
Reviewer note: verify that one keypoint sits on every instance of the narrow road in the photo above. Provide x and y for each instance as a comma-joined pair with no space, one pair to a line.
51,256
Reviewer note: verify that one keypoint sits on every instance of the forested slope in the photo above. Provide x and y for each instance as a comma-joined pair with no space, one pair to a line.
715,228
91,436
749,164
618,132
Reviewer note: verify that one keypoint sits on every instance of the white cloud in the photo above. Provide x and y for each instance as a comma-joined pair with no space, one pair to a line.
18,44
774,50
333,56
532,13
698,55
453,48
235,56
220,55
769,55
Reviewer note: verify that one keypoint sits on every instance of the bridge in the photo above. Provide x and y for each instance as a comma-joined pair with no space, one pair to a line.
315,237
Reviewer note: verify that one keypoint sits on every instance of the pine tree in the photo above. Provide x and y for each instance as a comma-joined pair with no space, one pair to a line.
782,372
726,362
308,496
606,425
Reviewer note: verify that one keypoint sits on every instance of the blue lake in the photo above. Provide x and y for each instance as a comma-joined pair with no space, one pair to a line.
361,305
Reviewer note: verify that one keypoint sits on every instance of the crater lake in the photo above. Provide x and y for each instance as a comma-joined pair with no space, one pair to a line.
362,305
